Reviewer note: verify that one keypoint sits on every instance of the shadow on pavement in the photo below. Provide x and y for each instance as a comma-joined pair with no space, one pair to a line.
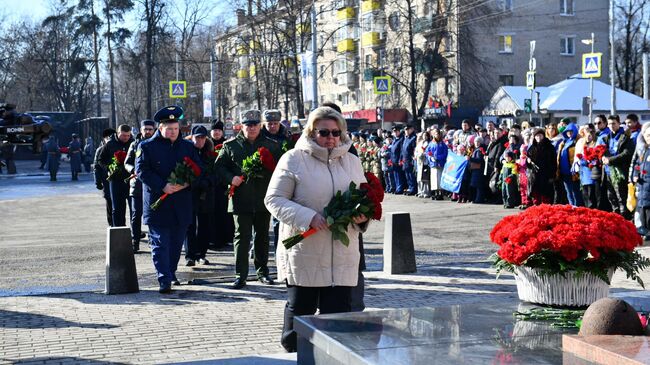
183,295
284,359
57,360
11,319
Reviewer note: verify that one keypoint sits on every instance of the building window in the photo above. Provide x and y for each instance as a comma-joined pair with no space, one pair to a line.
566,7
505,5
381,57
567,45
393,21
506,80
368,61
346,98
505,43
341,65
397,57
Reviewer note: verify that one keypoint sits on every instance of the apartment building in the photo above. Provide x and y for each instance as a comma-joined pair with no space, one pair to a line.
442,55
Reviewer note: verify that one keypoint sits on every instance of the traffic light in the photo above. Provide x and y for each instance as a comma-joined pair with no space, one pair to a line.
380,114
528,106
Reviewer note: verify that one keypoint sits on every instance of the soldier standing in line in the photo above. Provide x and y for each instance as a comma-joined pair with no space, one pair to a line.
118,187
74,151
99,174
88,153
408,164
147,129
155,160
277,132
247,203
53,157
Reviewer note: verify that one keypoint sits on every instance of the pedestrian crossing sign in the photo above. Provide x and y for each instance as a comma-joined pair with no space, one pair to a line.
382,85
591,65
177,89
530,80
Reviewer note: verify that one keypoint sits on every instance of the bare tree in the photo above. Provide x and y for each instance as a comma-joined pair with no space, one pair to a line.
633,23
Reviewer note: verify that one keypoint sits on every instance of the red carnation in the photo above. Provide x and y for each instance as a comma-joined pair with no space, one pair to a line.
64,150
644,172
196,170
508,180
637,168
506,145
579,156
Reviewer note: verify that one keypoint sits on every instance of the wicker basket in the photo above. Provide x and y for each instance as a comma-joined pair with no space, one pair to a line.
558,290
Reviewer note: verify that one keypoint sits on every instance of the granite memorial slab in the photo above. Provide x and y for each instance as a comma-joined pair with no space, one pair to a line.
460,334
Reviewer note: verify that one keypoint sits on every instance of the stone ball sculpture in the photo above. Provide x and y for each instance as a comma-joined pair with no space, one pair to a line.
610,316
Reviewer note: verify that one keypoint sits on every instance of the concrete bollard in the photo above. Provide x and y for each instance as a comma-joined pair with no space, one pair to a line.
399,254
121,276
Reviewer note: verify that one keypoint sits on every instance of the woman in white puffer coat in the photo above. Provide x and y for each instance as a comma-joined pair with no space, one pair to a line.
319,271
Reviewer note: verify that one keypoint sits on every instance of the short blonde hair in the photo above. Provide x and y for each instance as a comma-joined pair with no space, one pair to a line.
322,113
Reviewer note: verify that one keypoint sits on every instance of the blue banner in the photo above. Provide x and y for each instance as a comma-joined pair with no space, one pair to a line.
452,173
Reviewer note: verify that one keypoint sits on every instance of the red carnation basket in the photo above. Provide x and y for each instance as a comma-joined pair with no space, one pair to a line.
564,255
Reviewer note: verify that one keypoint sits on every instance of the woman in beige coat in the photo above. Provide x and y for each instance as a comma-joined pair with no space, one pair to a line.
319,272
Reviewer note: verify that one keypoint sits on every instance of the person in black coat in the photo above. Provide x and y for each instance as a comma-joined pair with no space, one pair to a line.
541,168
198,234
617,161
119,189
223,231
495,150
99,174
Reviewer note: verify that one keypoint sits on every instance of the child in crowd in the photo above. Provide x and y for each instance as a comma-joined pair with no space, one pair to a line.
509,189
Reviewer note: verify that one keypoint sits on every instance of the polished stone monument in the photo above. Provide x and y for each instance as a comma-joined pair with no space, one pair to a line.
121,275
460,334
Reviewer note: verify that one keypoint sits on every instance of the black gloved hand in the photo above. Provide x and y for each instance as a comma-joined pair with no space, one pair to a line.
99,186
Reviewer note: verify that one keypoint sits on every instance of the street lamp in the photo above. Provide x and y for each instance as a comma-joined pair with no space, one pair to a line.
591,79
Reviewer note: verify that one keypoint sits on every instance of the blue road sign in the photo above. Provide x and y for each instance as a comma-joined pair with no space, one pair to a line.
177,89
591,65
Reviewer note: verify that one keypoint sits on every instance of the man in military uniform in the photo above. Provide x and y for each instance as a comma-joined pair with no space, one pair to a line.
74,151
396,160
99,174
119,189
147,129
277,132
156,159
247,203
408,164
53,157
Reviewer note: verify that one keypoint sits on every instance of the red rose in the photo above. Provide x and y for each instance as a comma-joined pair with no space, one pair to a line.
120,156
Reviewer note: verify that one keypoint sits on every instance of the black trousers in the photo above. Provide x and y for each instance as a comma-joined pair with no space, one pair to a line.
305,300
591,195
198,236
617,196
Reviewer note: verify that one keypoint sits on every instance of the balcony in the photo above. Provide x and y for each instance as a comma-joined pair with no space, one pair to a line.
369,74
429,24
347,79
346,45
242,74
304,28
241,50
368,6
345,14
370,39
255,45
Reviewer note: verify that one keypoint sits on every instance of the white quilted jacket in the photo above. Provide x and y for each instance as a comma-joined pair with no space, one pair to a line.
304,181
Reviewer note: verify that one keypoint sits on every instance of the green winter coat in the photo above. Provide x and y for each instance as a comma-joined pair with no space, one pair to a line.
249,196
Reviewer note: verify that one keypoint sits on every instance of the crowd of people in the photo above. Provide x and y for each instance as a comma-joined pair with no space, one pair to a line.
520,165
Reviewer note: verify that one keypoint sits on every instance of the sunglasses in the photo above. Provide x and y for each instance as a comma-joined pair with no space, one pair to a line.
326,133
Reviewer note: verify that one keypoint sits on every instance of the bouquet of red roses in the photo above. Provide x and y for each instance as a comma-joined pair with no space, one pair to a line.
343,207
253,166
185,172
557,239
116,167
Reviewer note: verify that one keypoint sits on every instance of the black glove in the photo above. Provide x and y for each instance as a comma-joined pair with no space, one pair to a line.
99,186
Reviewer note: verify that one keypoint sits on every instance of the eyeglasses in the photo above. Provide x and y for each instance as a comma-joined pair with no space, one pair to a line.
326,133
147,129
